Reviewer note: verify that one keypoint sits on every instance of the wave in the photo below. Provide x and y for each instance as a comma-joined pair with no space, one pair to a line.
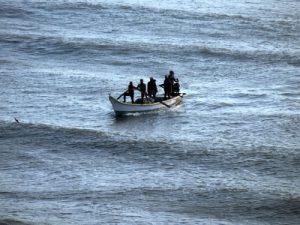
284,26
181,14
280,26
9,221
10,10
5,61
44,44
64,135
87,141
81,46
79,138
249,95
291,94
71,6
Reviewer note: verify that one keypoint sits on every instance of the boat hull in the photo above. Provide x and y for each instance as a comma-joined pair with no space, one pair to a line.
122,108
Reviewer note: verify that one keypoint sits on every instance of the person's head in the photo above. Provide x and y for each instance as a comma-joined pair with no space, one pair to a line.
171,72
142,81
151,78
130,83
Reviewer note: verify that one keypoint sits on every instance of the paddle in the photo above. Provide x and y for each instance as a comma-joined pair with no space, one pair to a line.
145,93
161,102
122,95
148,98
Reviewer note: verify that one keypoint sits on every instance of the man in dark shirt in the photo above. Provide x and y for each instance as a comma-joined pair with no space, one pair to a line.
152,88
129,92
142,88
167,87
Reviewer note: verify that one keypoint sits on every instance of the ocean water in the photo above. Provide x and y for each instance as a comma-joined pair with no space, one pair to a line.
229,154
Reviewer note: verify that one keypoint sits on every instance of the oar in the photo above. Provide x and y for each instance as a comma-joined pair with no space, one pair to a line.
149,99
161,102
121,95
145,93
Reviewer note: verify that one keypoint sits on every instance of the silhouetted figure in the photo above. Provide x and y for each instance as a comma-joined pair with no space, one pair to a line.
142,88
129,92
152,88
172,76
176,88
167,85
17,120
174,83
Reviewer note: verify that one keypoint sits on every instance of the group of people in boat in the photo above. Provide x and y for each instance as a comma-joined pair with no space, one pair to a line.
170,85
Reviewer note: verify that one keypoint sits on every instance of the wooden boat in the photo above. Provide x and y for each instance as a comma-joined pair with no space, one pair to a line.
160,103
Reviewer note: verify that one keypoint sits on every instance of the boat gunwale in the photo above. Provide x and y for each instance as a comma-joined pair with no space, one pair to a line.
144,104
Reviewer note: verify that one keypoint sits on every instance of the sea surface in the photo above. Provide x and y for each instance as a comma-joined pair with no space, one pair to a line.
229,154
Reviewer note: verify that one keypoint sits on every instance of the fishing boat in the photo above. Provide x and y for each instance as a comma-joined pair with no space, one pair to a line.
123,108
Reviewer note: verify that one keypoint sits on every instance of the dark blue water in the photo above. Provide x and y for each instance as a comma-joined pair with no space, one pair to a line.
230,154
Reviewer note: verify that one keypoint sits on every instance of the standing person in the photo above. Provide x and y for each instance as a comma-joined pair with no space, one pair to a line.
176,88
173,81
129,92
152,88
172,76
142,88
167,85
